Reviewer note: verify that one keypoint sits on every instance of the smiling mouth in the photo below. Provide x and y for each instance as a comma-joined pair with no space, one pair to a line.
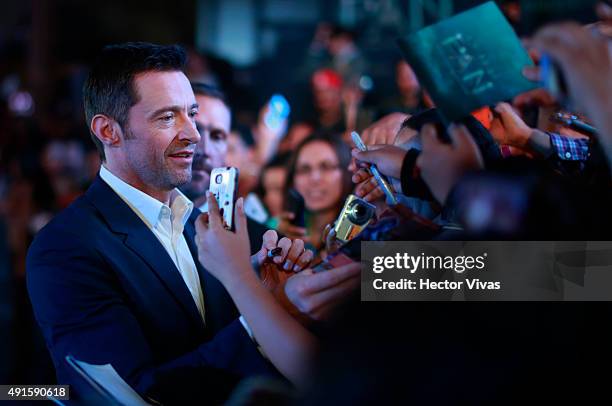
181,155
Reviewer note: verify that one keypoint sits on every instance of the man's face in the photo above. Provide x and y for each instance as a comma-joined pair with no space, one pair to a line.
213,121
160,136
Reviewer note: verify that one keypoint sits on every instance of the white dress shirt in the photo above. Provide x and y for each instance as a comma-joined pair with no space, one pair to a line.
167,224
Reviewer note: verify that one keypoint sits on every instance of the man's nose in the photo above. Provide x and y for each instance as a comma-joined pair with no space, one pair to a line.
190,133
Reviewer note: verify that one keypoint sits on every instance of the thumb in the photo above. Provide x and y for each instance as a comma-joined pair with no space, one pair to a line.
502,107
506,112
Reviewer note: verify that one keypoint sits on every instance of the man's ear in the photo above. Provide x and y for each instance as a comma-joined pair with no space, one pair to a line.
107,130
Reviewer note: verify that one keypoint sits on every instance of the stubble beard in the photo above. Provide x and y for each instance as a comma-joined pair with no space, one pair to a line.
160,176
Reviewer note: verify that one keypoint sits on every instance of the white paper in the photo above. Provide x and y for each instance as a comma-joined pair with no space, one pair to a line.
106,376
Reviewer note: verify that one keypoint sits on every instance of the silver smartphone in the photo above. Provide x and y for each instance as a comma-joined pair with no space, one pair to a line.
224,186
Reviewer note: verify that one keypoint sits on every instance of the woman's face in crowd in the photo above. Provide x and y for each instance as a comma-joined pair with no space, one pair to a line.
318,176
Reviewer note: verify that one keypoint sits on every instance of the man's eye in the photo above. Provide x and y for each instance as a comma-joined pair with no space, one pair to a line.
218,135
193,113
166,118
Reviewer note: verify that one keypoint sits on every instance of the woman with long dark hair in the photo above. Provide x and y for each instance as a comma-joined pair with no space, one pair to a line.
318,171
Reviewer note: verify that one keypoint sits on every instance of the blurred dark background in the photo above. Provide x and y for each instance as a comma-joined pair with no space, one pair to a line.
250,48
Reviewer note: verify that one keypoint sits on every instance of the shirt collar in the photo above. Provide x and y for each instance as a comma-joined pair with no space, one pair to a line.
147,207
181,205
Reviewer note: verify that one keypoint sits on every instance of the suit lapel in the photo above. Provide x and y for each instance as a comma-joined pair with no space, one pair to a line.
121,219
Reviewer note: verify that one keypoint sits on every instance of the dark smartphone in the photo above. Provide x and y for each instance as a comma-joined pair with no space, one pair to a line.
296,206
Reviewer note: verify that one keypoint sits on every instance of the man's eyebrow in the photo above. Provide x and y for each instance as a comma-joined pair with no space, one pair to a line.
174,108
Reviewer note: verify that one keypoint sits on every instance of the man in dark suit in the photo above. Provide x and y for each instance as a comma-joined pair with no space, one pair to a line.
115,278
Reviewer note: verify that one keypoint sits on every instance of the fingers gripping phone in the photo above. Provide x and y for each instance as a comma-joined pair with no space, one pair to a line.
224,186
380,179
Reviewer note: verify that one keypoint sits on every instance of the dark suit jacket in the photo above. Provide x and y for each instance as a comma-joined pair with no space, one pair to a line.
104,290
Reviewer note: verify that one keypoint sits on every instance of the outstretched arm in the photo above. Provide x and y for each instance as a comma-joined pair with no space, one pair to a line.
287,344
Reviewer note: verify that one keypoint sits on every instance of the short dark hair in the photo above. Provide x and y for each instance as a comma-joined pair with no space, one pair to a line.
109,89
204,89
